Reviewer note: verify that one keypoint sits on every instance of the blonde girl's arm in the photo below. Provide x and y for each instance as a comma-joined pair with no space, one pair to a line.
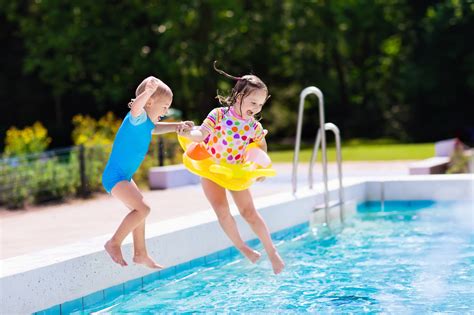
137,106
165,127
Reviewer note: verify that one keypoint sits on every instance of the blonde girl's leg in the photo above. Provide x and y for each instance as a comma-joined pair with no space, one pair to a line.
140,252
130,196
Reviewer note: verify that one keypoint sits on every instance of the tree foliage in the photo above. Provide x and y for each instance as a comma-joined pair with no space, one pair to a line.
395,68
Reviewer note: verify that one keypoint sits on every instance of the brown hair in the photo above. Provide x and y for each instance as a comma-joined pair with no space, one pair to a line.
161,90
244,86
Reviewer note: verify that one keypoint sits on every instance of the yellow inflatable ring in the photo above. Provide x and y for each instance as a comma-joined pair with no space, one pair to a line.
231,176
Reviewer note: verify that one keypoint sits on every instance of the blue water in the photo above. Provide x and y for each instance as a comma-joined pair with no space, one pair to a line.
409,258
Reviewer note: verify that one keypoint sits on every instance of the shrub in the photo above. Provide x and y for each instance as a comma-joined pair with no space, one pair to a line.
31,139
90,132
36,178
97,137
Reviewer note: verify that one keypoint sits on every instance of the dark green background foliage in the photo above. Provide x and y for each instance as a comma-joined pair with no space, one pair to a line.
388,68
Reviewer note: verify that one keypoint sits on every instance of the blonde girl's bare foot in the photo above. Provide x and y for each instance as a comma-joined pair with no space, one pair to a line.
251,254
147,261
277,263
115,253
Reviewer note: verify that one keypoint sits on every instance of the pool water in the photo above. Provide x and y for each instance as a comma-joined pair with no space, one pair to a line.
412,257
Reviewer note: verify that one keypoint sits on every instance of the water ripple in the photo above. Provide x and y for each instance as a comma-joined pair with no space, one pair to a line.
402,261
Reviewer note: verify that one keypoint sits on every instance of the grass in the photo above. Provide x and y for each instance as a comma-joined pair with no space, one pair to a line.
363,151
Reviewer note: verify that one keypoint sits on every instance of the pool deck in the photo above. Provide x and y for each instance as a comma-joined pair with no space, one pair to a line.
55,277
43,227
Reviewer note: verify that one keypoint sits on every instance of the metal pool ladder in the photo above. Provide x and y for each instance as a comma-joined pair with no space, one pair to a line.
320,141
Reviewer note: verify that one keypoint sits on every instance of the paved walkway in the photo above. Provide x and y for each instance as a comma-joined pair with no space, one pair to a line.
42,227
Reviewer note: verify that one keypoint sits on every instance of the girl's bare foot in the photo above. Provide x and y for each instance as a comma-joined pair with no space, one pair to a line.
251,254
277,262
147,261
115,253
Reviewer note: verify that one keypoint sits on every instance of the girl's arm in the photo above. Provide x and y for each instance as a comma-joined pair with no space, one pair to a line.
263,144
165,127
137,107
196,134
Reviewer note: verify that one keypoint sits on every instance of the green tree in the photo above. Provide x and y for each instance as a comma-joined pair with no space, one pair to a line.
383,66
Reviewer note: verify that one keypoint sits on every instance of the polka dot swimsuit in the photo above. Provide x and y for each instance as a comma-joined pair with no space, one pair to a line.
230,134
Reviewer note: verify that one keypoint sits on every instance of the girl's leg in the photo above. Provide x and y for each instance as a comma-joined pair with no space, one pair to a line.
243,200
216,196
130,196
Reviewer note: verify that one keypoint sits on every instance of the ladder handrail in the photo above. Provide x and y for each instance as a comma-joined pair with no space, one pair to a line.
307,91
314,156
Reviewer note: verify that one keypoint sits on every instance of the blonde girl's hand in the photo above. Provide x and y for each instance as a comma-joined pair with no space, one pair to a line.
179,128
260,179
189,123
185,126
182,129
151,84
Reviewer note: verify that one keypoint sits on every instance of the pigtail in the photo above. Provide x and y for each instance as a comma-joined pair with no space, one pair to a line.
225,73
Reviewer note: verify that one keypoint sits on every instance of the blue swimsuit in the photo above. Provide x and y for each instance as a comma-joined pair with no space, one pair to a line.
129,149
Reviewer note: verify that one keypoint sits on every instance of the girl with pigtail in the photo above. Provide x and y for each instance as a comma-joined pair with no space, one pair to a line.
226,132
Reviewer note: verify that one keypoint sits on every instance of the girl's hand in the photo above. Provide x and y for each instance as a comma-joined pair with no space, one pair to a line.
260,179
193,133
184,133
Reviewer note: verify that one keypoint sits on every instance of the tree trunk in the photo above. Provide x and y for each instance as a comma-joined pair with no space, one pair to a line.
58,110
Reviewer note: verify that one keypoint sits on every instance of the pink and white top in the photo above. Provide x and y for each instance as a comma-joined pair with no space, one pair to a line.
230,134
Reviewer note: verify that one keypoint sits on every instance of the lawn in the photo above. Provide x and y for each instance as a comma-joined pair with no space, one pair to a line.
356,151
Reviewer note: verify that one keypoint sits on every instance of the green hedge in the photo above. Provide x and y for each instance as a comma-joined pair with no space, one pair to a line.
56,175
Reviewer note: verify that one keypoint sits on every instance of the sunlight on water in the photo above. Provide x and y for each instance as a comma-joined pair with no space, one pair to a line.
410,258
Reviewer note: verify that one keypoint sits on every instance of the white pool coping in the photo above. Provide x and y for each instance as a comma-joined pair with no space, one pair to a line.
40,280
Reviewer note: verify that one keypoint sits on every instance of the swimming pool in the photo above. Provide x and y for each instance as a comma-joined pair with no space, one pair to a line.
413,256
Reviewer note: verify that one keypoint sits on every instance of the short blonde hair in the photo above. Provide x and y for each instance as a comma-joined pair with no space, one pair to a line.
161,90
